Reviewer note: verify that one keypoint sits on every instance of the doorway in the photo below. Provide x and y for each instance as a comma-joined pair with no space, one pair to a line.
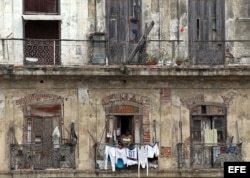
207,31
123,28
40,122
118,125
208,134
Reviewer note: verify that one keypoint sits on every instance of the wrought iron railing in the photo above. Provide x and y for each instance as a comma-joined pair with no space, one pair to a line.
88,52
42,51
207,155
34,156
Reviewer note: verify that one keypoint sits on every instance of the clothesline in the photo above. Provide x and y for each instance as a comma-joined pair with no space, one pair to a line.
134,144
136,155
198,128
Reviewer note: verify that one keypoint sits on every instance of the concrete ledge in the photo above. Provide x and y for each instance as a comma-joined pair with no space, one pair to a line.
129,70
71,173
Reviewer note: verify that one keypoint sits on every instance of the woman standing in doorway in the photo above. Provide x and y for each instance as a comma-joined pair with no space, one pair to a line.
127,139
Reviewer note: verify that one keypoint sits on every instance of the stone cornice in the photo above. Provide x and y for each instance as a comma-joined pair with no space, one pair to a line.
130,70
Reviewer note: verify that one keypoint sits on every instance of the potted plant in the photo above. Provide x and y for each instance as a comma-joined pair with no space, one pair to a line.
123,68
151,59
187,61
179,60
30,156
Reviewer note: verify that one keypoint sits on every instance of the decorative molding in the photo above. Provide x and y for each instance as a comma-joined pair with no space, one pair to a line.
192,100
39,98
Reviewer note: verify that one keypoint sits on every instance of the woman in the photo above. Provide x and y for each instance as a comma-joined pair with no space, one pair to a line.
127,139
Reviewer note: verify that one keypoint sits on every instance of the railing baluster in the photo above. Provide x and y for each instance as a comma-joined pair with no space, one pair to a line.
54,52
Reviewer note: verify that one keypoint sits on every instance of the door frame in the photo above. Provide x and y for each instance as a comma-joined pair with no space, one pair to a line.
198,110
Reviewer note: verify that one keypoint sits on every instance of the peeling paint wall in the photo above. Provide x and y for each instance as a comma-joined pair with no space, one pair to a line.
82,98
80,18
83,106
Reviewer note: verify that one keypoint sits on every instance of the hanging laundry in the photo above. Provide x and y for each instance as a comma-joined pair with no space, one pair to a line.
142,158
216,153
215,136
110,152
121,157
131,153
153,150
210,136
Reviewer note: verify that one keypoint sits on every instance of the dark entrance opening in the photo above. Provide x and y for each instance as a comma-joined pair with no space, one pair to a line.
125,123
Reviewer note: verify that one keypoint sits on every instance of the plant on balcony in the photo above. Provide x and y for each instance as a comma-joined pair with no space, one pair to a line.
151,59
159,56
30,156
123,68
179,60
187,61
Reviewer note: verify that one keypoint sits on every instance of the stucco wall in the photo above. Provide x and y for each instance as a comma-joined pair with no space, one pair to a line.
80,18
82,98
83,106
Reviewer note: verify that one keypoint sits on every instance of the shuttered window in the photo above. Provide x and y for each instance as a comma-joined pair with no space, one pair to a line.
207,31
41,6
208,133
123,28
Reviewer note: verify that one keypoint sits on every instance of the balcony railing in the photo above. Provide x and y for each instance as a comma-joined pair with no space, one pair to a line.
88,52
207,155
38,156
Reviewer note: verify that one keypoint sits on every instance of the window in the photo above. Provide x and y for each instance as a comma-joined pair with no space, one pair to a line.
134,30
207,31
123,28
41,6
42,45
118,125
208,134
29,130
39,124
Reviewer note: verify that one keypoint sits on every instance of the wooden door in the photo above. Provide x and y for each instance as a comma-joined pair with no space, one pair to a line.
123,28
202,153
40,122
207,31
42,142
47,148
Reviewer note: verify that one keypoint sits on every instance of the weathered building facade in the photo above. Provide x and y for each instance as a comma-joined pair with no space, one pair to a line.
75,76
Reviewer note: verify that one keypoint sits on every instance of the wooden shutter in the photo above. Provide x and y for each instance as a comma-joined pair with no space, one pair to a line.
207,32
123,28
116,32
45,6
137,129
38,129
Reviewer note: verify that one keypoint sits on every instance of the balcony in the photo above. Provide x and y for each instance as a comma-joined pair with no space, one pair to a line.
94,52
104,162
205,156
39,157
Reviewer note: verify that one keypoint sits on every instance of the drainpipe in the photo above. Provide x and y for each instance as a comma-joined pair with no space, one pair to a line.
95,17
178,20
178,26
